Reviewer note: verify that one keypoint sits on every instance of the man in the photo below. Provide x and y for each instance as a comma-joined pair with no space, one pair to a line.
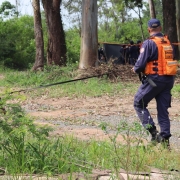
138,46
120,59
101,55
133,53
150,63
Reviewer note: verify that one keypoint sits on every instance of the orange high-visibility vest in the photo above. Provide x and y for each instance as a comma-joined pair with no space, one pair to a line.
164,65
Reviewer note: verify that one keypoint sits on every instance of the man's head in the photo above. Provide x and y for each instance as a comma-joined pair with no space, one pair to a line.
138,42
131,42
154,26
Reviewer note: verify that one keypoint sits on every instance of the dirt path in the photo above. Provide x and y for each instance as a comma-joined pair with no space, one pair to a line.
82,117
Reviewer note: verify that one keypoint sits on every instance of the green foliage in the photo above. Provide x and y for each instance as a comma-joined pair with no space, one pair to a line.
17,46
124,33
28,148
116,25
158,11
73,46
136,3
132,153
30,79
16,128
53,74
176,90
7,9
7,44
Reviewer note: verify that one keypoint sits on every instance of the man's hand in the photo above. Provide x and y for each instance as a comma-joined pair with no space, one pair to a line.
133,70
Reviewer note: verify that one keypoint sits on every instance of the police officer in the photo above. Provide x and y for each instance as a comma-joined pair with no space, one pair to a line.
146,92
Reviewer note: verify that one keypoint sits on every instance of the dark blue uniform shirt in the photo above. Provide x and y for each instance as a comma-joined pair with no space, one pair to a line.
133,52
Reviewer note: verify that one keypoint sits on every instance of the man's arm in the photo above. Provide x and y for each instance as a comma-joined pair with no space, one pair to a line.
144,56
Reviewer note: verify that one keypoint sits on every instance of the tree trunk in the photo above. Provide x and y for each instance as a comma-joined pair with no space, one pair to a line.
56,50
152,9
169,21
39,60
178,23
17,8
141,23
89,40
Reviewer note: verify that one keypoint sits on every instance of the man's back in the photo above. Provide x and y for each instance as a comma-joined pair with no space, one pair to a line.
133,52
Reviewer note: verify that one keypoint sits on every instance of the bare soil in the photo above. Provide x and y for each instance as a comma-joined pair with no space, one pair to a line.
81,117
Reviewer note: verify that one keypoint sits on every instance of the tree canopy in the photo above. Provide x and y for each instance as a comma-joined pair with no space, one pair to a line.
119,21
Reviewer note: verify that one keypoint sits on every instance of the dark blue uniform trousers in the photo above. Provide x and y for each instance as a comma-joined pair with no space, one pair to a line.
162,95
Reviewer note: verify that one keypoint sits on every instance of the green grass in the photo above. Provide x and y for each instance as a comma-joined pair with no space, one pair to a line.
176,91
91,87
29,149
24,80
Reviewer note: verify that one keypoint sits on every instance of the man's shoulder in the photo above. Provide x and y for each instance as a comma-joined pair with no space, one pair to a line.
133,47
148,42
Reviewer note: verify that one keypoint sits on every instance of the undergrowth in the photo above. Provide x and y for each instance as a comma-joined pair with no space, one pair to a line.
29,148
32,83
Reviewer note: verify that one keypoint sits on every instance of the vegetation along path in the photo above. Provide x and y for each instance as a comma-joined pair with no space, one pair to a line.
81,117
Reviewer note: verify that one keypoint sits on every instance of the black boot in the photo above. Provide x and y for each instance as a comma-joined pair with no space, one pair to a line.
164,141
154,133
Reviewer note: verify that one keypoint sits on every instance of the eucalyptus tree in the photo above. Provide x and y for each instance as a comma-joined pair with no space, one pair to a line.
7,10
112,15
178,20
74,9
39,59
169,22
89,39
133,4
152,9
110,12
157,9
56,50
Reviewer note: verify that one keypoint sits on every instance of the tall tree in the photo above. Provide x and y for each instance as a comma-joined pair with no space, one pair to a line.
39,59
112,15
169,22
89,39
7,10
56,51
152,9
131,4
17,7
178,22
74,9
157,8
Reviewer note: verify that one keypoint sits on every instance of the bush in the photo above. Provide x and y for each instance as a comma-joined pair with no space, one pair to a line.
17,45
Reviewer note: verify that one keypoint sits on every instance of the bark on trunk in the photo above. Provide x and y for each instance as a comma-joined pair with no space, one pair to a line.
89,40
152,9
56,51
169,21
39,59
178,23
